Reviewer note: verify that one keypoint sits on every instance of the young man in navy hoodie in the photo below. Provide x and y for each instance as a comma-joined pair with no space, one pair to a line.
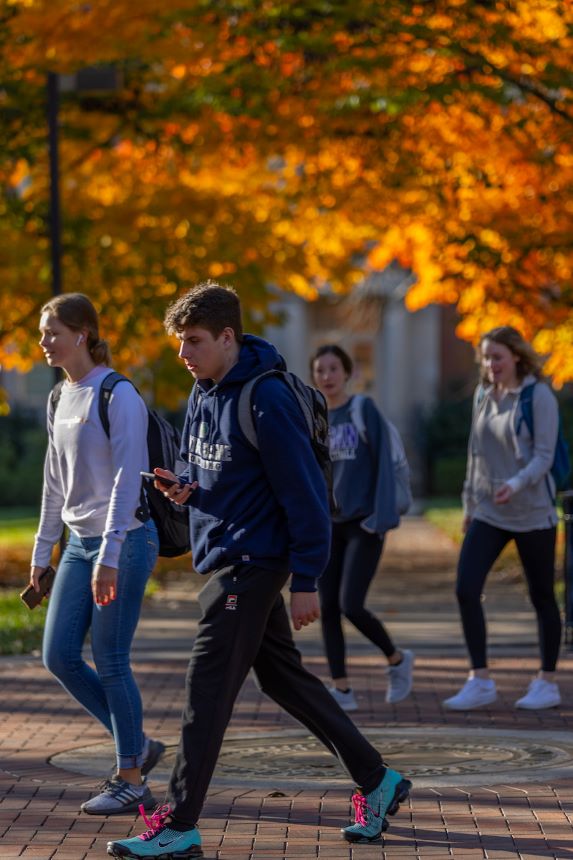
258,518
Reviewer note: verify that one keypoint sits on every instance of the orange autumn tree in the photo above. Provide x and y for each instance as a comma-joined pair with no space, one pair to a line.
294,144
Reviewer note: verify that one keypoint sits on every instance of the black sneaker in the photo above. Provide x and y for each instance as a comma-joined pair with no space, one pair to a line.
119,797
155,751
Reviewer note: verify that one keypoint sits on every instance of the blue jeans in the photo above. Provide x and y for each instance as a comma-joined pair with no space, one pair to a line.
109,693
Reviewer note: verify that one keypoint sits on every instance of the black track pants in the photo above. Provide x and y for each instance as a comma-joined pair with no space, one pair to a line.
482,545
244,624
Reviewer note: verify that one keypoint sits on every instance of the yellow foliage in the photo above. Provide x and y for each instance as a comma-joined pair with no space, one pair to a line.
249,142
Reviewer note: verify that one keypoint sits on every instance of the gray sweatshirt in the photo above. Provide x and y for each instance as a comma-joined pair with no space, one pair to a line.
92,483
497,454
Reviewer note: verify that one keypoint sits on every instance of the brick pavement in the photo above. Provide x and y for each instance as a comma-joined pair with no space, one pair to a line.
39,802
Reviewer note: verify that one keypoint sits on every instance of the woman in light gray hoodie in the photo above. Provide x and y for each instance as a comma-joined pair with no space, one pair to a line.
509,494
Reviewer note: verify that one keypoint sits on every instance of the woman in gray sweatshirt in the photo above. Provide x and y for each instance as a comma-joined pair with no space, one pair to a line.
509,494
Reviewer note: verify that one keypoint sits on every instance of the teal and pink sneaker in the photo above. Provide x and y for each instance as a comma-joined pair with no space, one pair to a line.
371,809
159,842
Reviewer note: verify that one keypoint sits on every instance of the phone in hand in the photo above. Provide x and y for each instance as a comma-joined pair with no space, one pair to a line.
33,598
167,482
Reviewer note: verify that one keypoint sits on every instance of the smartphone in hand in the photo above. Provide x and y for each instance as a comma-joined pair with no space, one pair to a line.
33,598
167,482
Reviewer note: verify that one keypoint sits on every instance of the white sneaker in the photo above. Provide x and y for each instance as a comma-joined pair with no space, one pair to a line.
346,700
540,694
475,693
400,678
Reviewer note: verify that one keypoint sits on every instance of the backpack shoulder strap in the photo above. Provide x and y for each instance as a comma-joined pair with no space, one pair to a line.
245,412
106,388
55,395
357,405
397,449
245,403
526,405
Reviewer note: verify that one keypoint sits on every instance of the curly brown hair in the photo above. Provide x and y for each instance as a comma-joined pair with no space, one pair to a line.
208,305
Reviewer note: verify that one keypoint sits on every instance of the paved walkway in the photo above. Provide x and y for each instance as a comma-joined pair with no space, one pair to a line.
267,815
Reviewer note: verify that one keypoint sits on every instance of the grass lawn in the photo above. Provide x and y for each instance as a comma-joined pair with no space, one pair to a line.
20,628
447,515
18,526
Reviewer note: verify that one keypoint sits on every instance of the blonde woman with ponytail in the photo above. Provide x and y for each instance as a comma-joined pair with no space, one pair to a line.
92,486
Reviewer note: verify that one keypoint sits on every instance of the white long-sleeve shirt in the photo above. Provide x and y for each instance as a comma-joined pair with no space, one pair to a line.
92,483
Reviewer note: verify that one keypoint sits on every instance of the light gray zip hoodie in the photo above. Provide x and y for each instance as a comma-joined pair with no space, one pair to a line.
498,454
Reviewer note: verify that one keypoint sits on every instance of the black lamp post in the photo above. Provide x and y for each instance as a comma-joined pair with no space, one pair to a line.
53,99
567,500
98,80
54,221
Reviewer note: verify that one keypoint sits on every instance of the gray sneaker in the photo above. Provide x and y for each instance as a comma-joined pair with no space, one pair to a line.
155,750
400,678
346,700
118,797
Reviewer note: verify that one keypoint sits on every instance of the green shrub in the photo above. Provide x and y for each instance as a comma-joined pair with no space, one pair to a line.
448,473
445,432
22,451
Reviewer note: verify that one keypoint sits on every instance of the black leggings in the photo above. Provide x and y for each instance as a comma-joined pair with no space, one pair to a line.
343,587
482,545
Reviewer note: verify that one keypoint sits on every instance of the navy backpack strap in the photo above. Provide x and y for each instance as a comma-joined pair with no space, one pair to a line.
526,405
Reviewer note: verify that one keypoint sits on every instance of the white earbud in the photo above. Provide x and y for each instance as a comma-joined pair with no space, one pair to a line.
80,339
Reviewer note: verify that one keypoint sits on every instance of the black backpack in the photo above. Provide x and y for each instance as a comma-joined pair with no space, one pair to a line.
163,444
313,407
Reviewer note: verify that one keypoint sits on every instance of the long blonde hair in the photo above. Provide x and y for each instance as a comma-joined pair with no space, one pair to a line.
529,361
77,312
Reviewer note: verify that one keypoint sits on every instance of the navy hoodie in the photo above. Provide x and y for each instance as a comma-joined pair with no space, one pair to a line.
267,507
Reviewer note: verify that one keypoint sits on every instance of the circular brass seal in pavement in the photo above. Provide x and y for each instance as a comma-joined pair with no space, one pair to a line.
429,756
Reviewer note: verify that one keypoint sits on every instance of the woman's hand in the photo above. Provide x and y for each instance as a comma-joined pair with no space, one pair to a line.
503,495
104,584
466,523
35,573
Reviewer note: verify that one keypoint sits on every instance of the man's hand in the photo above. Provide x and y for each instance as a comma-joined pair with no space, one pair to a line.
104,584
466,523
178,493
304,608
